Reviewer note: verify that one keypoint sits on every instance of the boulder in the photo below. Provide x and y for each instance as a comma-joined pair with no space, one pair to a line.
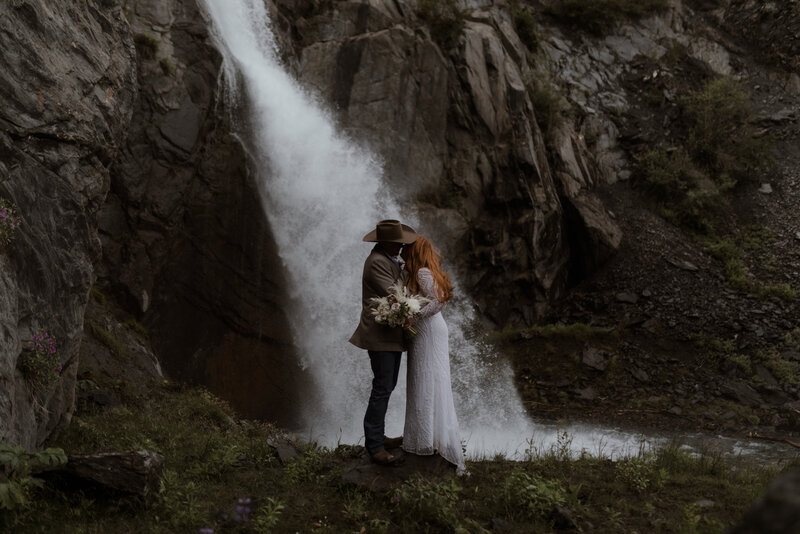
778,512
136,472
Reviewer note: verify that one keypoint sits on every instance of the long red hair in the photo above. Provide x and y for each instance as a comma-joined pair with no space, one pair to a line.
421,254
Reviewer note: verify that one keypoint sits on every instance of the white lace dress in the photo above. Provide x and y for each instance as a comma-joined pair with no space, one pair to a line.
431,425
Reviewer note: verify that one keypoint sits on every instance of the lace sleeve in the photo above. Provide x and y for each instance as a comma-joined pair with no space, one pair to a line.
428,287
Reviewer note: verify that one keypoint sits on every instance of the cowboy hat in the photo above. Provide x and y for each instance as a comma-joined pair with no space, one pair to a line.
391,231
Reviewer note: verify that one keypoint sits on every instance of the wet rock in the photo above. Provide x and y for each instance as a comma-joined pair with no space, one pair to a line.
778,512
586,394
765,188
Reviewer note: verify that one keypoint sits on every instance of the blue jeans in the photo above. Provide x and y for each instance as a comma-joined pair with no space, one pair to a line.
385,367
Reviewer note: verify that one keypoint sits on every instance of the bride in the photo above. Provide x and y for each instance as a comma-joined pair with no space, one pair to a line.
431,426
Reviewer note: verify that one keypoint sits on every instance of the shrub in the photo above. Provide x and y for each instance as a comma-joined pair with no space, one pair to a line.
721,134
548,106
15,469
167,66
146,44
531,496
9,222
792,339
268,515
39,363
688,197
308,467
444,18
525,24
639,473
422,502
600,16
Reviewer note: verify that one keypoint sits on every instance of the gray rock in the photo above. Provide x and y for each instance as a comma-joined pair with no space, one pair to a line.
640,374
741,392
778,512
763,373
286,449
595,358
379,478
137,472
683,264
629,298
586,394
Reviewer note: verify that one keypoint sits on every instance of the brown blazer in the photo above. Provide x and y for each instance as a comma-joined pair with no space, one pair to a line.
380,272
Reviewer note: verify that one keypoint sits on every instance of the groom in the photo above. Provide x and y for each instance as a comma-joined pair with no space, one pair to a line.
384,344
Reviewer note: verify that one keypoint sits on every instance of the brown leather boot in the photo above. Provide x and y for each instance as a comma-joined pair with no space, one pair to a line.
392,443
383,458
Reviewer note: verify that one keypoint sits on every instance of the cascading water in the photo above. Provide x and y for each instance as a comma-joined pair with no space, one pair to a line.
322,193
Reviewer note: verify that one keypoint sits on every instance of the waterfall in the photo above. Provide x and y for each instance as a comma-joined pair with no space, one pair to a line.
322,193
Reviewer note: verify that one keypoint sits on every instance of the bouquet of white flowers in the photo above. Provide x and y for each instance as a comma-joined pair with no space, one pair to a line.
396,308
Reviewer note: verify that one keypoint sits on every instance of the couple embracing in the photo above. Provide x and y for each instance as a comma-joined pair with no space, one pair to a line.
431,426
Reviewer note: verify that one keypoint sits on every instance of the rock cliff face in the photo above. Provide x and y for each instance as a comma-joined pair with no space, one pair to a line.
186,245
68,88
458,132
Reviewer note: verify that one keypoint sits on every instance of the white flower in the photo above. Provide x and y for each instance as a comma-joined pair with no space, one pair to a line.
413,306
395,306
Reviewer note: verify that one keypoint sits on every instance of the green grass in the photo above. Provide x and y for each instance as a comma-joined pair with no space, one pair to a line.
738,276
213,460
572,331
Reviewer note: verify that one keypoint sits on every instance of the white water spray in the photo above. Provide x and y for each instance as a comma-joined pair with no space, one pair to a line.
321,194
